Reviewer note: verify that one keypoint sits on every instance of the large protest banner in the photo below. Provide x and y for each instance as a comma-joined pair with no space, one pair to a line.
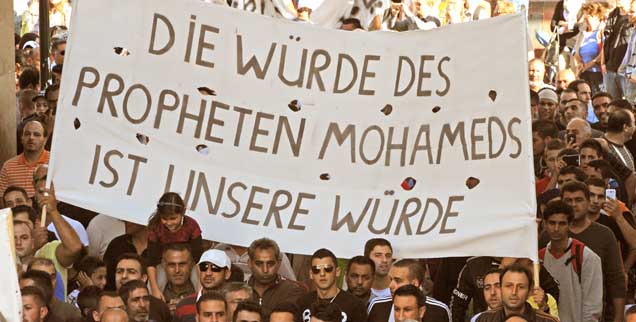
11,304
314,137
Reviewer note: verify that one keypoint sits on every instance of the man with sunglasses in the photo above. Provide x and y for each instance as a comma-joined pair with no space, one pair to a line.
323,273
214,270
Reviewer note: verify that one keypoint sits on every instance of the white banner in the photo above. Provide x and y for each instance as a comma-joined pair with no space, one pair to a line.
314,137
11,304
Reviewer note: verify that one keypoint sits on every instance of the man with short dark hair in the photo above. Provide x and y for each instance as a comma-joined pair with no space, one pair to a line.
584,92
43,280
34,307
211,307
131,266
359,277
87,302
248,312
270,288
324,273
214,270
108,301
380,251
16,196
284,312
569,174
516,287
406,272
177,263
600,104
137,299
325,312
492,291
566,96
576,267
601,241
409,303
575,108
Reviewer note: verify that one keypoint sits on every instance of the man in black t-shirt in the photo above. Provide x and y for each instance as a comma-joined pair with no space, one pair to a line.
323,273
405,272
409,303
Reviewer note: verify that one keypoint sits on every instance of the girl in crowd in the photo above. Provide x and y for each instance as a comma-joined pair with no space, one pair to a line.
168,225
587,51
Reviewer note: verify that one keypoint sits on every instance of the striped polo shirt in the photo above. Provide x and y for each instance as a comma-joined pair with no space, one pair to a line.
17,171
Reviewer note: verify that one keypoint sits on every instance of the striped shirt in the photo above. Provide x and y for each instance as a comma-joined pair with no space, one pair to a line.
17,171
380,309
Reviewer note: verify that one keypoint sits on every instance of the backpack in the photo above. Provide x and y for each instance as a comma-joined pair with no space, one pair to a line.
576,256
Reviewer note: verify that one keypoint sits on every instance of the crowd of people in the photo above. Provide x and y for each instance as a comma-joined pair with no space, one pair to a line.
81,266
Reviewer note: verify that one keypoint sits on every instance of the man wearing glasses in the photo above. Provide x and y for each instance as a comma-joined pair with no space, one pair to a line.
323,273
214,270
600,103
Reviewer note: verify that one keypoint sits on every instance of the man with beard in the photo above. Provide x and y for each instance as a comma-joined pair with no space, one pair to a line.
214,270
566,96
492,291
600,104
137,299
270,288
516,285
324,273
360,272
380,251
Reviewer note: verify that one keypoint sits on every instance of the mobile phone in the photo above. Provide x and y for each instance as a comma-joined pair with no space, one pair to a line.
571,138
610,194
572,159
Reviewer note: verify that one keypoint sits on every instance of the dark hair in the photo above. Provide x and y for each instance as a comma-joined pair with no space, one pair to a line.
89,264
416,271
576,171
136,257
177,247
27,37
617,119
88,298
248,306
558,207
575,85
568,151
604,167
111,294
548,195
50,89
29,77
169,203
42,280
601,94
286,307
355,22
373,242
57,69
36,293
596,182
517,268
494,270
128,287
622,104
595,145
236,274
545,128
631,310
29,210
327,312
323,253
361,260
574,186
13,189
555,144
411,290
264,243
534,97
211,296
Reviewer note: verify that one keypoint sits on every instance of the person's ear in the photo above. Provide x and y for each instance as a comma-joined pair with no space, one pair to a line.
228,274
96,316
337,271
144,278
44,311
421,311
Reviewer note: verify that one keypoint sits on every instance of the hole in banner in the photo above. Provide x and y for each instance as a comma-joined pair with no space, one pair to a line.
291,37
389,192
294,105
436,109
325,176
408,183
121,51
387,109
143,139
472,182
77,123
206,91
297,38
203,149
492,94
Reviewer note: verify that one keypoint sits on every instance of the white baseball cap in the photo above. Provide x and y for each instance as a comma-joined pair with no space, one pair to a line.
216,257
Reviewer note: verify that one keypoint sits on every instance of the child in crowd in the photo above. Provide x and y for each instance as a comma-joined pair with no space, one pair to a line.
91,272
168,225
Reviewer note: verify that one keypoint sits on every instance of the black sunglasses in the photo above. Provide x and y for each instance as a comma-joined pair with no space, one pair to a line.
205,266
317,268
